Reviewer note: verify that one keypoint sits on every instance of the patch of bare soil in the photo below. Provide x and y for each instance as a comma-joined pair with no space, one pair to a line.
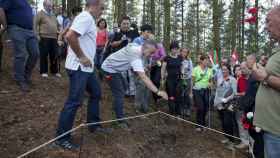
28,120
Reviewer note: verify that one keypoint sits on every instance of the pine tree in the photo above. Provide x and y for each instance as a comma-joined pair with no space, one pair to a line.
167,25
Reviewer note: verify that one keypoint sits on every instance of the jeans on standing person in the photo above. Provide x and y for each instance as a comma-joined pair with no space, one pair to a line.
98,57
142,96
118,86
272,145
26,52
258,147
48,48
79,83
243,133
201,100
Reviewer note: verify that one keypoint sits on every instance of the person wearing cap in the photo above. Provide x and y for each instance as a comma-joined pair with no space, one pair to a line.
170,73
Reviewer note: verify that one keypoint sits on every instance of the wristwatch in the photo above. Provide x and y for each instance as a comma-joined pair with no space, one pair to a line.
265,81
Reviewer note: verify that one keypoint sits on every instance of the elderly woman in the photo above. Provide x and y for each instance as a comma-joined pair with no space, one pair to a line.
226,90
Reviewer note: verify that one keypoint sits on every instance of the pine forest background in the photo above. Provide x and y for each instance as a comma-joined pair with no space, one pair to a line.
200,25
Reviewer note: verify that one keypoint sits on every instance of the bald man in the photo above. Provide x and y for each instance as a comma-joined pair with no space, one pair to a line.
46,27
267,113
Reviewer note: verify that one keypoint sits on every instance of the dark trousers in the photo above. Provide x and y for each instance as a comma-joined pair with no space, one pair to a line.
98,57
25,51
155,76
118,87
48,48
79,83
258,149
201,100
229,124
173,101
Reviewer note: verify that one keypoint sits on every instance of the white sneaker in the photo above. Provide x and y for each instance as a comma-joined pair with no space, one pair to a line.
58,75
198,129
45,75
225,141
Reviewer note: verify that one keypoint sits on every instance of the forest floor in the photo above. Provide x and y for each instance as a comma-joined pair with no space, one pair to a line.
29,120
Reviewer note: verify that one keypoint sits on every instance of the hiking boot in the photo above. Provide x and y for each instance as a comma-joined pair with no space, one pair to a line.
241,146
101,130
123,125
67,145
230,146
23,87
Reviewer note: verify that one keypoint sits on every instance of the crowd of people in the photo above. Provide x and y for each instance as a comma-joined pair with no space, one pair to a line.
246,95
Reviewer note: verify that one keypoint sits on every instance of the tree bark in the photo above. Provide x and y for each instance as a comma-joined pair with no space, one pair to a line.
197,28
167,27
216,25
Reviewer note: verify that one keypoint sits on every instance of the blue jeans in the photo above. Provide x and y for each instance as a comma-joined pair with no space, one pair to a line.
79,83
272,145
118,86
98,57
26,52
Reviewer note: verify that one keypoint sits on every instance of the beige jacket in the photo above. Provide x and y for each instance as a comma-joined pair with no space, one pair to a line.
46,26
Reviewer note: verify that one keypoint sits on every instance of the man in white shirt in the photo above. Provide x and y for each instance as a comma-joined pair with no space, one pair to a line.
80,67
128,57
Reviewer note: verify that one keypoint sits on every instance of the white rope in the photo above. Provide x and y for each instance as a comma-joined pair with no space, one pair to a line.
51,141
123,119
84,125
210,129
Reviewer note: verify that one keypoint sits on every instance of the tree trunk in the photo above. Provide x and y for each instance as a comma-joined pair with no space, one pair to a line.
197,27
257,27
182,21
243,30
153,14
144,18
167,27
216,25
234,25
64,6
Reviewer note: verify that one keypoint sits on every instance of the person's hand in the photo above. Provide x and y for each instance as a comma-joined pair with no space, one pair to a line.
191,95
85,61
124,38
38,37
2,30
163,95
230,108
224,100
60,43
259,72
